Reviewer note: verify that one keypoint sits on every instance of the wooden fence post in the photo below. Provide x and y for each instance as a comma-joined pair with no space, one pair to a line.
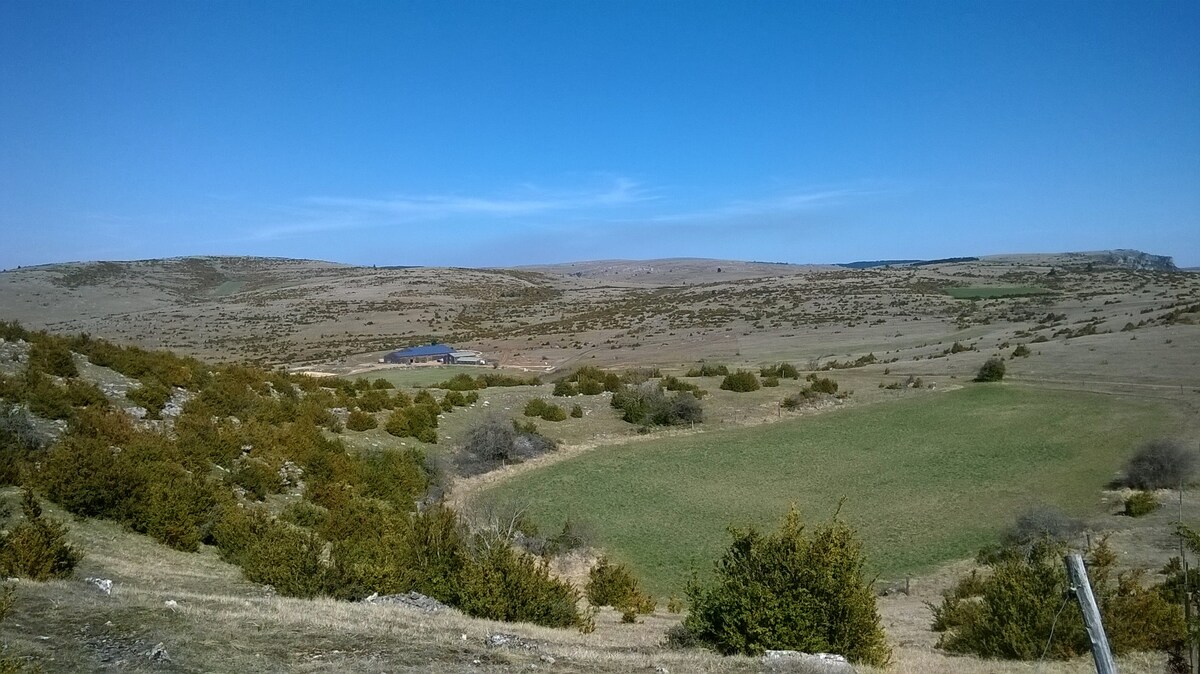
1101,653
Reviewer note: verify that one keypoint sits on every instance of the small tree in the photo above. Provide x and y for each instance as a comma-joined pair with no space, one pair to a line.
790,590
37,548
992,370
741,381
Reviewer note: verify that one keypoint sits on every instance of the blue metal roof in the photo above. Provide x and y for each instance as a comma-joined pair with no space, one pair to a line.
418,351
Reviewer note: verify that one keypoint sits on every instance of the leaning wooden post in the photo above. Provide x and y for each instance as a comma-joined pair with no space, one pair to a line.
1077,574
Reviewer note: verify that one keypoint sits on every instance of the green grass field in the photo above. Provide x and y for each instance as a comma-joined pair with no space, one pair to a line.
988,293
925,480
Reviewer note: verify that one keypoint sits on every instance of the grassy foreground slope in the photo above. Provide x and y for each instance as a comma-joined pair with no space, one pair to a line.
925,480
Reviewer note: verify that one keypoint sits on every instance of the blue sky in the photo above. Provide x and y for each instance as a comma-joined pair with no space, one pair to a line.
515,132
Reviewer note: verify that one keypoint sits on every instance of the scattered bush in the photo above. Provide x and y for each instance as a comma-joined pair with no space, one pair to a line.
1160,464
615,585
37,548
416,421
546,410
361,421
503,584
790,590
1021,351
51,355
673,383
495,442
577,411
19,443
822,384
151,396
1141,503
647,405
565,389
304,513
991,370
742,381
780,371
770,382
1011,612
707,370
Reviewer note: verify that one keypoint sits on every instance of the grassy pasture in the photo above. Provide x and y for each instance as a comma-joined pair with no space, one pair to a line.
925,480
987,293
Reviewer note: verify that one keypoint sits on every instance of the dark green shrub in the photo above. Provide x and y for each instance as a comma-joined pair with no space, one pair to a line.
565,389
742,381
780,371
286,558
37,548
707,370
790,590
361,421
395,476
151,396
171,506
417,421
84,476
546,410
20,441
257,477
461,382
591,387
1011,612
503,584
672,383
770,382
991,370
577,411
1160,464
455,398
1021,351
594,381
615,585
958,348
1141,503
647,405
822,384
304,513
497,379
610,584
51,355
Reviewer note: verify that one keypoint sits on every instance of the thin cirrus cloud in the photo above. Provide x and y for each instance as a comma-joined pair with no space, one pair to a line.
319,214
612,205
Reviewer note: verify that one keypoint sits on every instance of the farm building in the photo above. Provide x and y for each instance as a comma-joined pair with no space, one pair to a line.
434,353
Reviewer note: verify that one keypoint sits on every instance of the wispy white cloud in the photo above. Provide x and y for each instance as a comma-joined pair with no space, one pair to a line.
330,213
789,202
